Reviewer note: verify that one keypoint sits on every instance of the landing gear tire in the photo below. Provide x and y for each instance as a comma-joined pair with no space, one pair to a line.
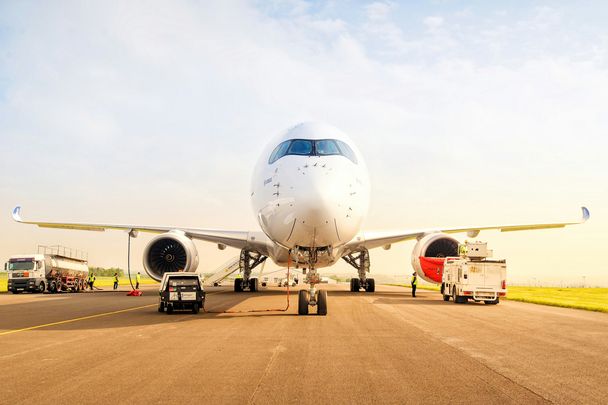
355,285
253,284
238,285
322,302
371,285
303,300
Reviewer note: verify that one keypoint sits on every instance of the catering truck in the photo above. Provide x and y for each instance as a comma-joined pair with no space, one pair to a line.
474,276
53,269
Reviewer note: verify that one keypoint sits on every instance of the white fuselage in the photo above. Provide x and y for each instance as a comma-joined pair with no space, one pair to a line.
313,201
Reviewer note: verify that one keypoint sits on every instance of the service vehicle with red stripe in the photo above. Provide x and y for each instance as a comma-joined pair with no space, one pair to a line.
474,276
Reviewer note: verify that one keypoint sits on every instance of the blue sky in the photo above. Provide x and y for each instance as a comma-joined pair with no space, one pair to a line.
155,113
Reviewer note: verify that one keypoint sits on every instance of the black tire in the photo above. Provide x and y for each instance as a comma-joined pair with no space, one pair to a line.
161,307
195,308
352,285
493,302
322,302
446,297
41,287
303,302
371,285
169,309
58,287
454,296
443,290
253,284
356,285
238,285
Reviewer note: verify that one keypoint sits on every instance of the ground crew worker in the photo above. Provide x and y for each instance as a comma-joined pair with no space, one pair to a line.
115,281
91,280
462,249
137,280
414,284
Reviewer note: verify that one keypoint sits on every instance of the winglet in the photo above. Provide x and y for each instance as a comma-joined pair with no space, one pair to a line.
17,214
586,214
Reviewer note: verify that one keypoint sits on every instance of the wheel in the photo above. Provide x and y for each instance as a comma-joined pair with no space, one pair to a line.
58,286
41,287
161,307
493,302
238,285
253,284
195,308
169,309
454,296
303,302
355,284
77,286
352,285
446,297
371,285
322,302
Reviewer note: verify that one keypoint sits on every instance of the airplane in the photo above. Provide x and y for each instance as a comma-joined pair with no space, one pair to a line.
310,192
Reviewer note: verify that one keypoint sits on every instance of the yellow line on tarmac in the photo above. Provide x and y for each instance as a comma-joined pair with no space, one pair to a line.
82,318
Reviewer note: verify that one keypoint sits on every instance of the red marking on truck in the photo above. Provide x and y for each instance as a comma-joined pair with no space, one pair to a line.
432,267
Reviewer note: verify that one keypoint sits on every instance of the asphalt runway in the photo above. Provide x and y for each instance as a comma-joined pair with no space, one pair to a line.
385,347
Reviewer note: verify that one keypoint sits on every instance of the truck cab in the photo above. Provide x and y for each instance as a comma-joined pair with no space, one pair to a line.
474,276
181,291
26,273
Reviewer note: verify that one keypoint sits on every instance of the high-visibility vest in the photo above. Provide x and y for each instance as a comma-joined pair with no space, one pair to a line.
90,278
116,279
462,250
414,280
138,278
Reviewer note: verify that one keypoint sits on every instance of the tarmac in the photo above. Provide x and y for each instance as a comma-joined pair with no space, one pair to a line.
382,347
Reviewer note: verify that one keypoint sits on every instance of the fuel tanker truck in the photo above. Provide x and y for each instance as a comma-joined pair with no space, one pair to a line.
53,269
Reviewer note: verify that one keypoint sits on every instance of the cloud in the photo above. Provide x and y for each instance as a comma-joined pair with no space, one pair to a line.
156,111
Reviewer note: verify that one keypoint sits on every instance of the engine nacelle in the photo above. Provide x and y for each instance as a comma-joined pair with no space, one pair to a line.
428,255
171,251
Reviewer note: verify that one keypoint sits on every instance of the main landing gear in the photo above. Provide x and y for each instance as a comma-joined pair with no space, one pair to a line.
248,261
360,261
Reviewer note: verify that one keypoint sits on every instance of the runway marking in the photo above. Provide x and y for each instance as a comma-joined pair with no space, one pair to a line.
82,318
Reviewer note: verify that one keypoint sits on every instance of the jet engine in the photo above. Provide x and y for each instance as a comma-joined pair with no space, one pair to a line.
428,255
171,251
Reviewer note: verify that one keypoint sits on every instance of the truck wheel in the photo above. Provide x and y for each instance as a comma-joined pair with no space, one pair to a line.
446,297
41,287
161,307
169,309
443,291
195,308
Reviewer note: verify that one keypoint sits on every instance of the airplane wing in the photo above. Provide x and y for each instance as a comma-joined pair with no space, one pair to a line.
373,239
236,239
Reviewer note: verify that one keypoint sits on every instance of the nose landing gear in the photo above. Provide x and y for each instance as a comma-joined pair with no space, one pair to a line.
312,297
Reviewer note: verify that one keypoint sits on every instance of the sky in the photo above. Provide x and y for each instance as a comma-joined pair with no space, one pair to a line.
155,112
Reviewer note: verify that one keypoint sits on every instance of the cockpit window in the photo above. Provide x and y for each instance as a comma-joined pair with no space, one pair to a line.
308,147
347,151
300,147
327,147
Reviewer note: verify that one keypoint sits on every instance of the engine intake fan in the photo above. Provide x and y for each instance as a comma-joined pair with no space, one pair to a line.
170,252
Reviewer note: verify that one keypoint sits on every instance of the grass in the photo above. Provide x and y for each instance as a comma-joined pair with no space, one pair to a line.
99,282
591,299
